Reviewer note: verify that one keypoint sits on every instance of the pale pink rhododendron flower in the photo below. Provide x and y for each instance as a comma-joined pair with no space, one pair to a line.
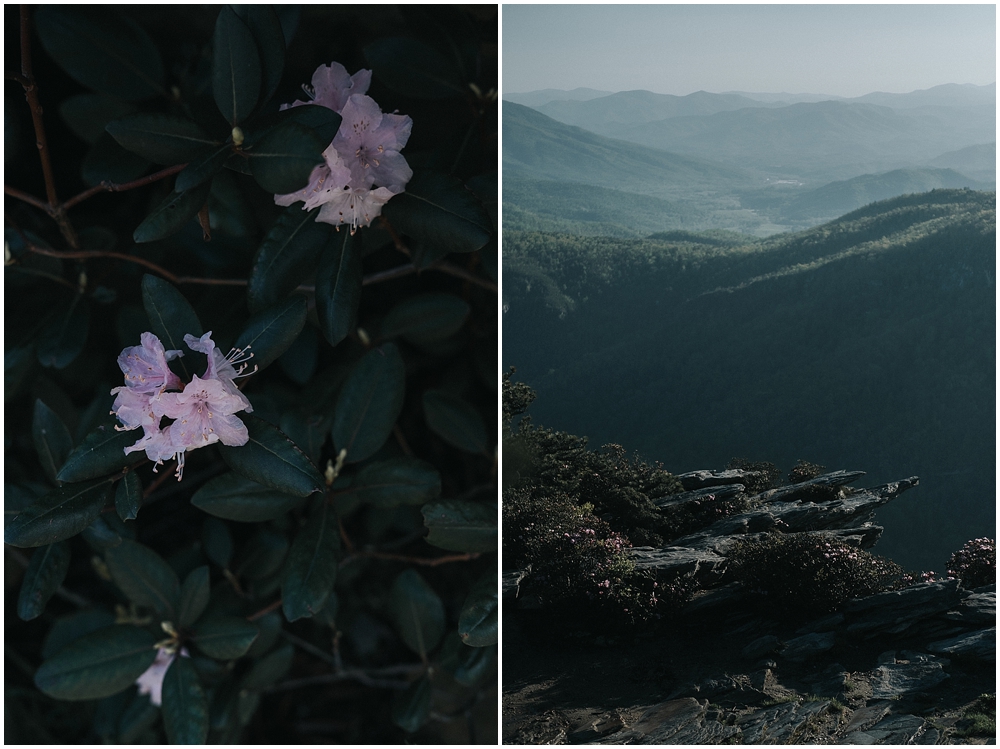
363,166
202,411
151,680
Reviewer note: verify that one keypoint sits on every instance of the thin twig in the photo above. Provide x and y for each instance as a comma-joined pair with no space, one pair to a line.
264,611
158,481
386,275
29,199
107,186
93,254
369,677
425,561
309,648
466,275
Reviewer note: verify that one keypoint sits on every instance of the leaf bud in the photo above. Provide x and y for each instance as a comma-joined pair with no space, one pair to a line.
237,136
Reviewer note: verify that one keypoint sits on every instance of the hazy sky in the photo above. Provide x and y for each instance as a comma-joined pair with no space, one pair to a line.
844,50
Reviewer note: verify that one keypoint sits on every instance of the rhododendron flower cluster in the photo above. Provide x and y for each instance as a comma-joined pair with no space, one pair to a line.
202,411
364,167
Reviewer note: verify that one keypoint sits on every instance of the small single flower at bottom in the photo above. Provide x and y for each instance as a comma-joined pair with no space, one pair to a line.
151,680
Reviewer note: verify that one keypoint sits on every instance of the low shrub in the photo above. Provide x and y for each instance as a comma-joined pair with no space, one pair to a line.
975,564
768,474
803,471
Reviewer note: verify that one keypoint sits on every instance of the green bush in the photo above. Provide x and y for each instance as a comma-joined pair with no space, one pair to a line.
975,564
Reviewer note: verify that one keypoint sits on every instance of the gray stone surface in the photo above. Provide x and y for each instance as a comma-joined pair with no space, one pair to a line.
761,647
712,494
808,646
980,645
791,491
893,729
896,679
779,724
975,608
895,611
706,565
702,479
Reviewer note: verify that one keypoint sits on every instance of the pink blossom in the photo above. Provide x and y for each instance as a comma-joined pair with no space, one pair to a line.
354,207
151,680
223,368
331,86
145,366
203,414
324,180
370,143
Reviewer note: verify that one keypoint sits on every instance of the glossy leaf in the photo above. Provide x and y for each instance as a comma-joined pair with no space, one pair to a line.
311,569
139,716
338,285
88,114
235,67
161,138
98,664
478,625
185,706
271,459
46,572
325,122
270,332
270,668
264,554
455,421
461,526
101,535
195,593
369,403
171,316
170,216
217,542
52,439
104,51
63,337
106,161
411,708
414,68
234,497
440,211
72,627
417,612
203,166
399,481
308,432
287,256
58,515
101,452
282,159
224,637
266,30
128,496
426,318
144,577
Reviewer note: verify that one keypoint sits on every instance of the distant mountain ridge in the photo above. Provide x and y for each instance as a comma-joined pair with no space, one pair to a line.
537,98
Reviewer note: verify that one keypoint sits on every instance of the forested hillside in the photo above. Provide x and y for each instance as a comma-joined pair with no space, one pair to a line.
864,343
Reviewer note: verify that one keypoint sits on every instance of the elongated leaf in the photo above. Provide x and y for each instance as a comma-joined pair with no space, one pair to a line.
101,452
103,50
224,637
72,627
171,316
233,497
128,496
97,665
286,257
308,432
195,592
185,706
203,166
64,336
88,114
412,707
266,30
144,577
270,332
369,403
53,441
461,526
270,668
45,573
282,159
440,211
170,216
161,138
455,421
325,122
137,718
100,534
478,625
271,459
106,161
311,569
417,612
58,515
263,555
338,285
235,67
399,481
426,318
414,68
217,542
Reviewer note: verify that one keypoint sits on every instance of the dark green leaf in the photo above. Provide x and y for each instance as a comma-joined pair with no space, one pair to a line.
203,167
411,708
45,573
426,318
73,626
161,138
52,439
455,421
266,29
195,592
58,515
479,663
369,403
138,716
128,496
185,706
263,554
224,637
101,452
171,316
170,216
338,285
414,68
461,526
288,254
101,535
417,612
299,363
106,161
217,541
399,481
325,122
17,364
269,628
97,665
270,332
144,577
235,67
477,623
104,51
270,458
234,497
270,668
282,159
88,114
308,432
64,336
311,569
